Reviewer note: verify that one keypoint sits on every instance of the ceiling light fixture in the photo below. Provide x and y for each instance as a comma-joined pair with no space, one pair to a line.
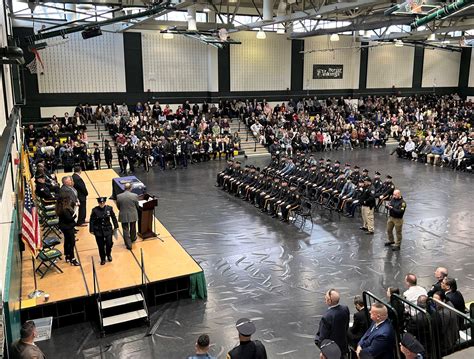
206,9
261,35
334,37
398,43
281,31
432,37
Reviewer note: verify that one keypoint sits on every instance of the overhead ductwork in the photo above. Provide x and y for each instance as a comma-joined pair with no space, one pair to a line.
192,18
157,9
442,13
268,10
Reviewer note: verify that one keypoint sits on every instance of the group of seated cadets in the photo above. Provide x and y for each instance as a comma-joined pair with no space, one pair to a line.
281,186
261,188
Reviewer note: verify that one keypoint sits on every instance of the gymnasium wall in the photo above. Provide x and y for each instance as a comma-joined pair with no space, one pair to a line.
390,66
177,65
260,65
349,58
441,68
151,68
78,65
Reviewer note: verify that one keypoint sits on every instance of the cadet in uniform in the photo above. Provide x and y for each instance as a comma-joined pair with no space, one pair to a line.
42,190
101,227
108,154
396,210
96,156
248,348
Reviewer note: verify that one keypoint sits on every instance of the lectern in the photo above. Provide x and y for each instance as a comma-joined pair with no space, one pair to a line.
146,217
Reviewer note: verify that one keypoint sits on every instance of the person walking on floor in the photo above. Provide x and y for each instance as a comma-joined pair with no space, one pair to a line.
396,210
101,226
82,194
127,203
67,224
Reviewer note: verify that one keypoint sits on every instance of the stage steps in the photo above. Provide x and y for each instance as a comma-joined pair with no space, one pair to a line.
121,309
250,147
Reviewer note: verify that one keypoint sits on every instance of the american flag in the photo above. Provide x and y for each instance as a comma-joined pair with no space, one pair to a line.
30,228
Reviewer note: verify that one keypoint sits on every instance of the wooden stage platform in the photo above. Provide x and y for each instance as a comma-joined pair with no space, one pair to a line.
167,266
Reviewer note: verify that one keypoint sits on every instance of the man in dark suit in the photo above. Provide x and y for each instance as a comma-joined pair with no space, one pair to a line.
334,323
450,288
67,190
360,324
379,340
127,203
82,194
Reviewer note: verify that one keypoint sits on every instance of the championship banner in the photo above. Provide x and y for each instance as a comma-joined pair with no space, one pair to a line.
331,72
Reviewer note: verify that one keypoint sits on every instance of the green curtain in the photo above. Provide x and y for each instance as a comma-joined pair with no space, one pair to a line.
198,287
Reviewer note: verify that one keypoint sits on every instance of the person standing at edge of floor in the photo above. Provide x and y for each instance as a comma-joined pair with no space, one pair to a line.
100,225
82,194
248,348
396,210
367,201
127,204
334,323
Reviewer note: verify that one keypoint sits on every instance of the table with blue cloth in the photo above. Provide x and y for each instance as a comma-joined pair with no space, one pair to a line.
118,186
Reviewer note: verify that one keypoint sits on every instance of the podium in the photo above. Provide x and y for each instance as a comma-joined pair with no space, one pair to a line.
146,216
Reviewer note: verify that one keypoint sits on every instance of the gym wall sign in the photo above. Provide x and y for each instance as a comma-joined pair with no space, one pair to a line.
331,72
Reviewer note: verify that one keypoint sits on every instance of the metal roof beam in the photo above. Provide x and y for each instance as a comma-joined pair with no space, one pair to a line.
303,15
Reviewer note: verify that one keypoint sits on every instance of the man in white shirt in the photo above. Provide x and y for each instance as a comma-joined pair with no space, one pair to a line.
413,291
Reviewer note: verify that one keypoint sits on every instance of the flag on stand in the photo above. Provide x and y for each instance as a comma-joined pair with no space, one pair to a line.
30,228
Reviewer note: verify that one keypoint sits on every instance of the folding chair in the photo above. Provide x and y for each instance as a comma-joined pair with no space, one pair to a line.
48,258
304,212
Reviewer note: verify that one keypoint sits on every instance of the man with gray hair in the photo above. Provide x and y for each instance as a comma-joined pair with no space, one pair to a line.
127,203
334,323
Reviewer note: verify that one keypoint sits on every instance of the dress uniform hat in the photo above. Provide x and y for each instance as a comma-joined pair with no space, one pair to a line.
330,349
365,170
338,162
388,176
413,345
245,327
102,199
377,173
348,164
356,167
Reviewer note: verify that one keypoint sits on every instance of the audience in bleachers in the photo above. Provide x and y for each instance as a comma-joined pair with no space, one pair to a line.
432,129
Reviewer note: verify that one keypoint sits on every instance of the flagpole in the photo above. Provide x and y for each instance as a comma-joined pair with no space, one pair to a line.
37,292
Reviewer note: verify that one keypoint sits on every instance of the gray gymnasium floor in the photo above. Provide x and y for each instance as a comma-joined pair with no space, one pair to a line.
268,271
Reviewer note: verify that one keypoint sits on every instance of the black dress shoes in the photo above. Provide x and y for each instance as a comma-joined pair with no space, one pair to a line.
363,228
109,258
388,244
102,262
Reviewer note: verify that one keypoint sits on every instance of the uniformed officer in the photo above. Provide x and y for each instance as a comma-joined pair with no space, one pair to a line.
43,191
97,156
100,225
367,202
248,348
396,210
108,154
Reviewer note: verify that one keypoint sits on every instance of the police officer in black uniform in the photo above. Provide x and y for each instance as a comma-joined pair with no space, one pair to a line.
108,154
248,348
96,156
42,190
101,226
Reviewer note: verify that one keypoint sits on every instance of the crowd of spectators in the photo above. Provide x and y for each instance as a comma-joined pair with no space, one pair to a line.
425,321
440,135
151,134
